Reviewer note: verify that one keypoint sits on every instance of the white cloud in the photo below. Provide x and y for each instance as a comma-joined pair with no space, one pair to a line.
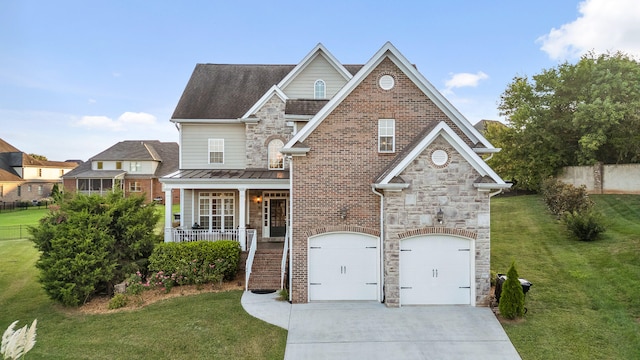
604,25
460,80
124,122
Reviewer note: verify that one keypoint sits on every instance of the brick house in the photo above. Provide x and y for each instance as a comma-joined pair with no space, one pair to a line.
371,178
134,166
25,178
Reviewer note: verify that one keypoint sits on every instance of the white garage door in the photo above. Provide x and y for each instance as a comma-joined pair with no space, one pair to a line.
435,270
343,266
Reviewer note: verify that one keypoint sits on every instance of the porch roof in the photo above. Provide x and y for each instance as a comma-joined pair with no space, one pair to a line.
226,175
98,174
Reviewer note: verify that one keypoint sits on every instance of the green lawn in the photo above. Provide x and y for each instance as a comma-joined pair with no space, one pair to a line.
30,216
585,298
205,326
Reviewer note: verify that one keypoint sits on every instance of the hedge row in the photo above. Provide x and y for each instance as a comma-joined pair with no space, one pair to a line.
170,257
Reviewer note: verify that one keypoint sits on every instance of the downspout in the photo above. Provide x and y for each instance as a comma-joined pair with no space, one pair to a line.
290,240
381,262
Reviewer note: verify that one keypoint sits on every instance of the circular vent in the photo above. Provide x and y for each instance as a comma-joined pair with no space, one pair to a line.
439,157
387,82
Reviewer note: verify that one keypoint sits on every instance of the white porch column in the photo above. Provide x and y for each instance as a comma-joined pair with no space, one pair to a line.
242,219
168,216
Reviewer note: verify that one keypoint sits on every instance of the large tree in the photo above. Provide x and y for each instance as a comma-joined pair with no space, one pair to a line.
573,114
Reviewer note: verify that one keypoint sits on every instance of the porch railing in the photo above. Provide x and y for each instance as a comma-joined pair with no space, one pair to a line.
253,246
283,264
188,235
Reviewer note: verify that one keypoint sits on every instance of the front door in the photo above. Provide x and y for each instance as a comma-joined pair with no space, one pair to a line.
277,218
274,214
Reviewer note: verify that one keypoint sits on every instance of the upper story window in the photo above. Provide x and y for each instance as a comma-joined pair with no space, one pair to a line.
99,165
40,172
216,151
276,160
135,166
118,165
386,135
319,90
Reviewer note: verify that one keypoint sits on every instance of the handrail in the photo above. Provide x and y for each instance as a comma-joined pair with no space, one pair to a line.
283,264
252,253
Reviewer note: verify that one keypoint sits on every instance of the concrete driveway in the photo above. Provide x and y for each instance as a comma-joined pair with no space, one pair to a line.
370,331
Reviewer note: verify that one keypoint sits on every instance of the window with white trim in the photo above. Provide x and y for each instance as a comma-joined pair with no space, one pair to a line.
216,211
319,91
386,135
134,186
40,189
135,166
118,165
216,151
276,160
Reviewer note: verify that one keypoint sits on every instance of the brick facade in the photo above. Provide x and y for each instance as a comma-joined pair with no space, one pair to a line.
343,162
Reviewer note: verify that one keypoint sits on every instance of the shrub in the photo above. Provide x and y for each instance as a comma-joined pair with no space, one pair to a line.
585,226
118,301
175,258
512,297
89,244
136,284
560,197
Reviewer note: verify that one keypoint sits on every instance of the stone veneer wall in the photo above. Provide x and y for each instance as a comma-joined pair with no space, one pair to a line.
270,126
466,213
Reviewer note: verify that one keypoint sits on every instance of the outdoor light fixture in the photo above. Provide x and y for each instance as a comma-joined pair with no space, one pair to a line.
258,199
440,216
343,212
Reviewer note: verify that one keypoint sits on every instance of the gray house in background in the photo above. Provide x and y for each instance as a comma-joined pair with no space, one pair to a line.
132,165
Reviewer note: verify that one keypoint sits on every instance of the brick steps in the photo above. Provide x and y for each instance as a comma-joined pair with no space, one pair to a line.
265,271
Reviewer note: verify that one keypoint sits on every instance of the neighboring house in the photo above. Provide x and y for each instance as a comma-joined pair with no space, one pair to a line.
484,124
24,178
133,166
371,175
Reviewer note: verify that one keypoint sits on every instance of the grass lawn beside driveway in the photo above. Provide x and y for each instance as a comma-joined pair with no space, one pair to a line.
585,298
205,326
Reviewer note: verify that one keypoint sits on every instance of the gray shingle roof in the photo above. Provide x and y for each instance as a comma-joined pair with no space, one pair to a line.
222,91
166,153
304,107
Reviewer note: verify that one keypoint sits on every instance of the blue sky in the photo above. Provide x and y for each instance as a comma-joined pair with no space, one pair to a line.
78,76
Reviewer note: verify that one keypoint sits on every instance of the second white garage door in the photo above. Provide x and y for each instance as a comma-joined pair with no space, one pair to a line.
435,270
343,266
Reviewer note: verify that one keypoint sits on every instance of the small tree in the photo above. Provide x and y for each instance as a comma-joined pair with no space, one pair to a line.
512,297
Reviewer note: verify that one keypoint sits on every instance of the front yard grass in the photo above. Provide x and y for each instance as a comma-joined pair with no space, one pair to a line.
205,326
585,298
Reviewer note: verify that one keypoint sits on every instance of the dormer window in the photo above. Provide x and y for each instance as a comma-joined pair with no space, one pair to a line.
319,90
276,160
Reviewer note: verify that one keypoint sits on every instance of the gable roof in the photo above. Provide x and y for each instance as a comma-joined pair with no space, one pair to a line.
389,51
13,157
489,179
166,153
319,50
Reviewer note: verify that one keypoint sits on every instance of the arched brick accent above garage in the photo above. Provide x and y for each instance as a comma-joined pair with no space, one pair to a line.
439,230
341,228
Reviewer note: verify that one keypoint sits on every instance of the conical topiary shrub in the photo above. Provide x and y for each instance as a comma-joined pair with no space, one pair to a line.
512,298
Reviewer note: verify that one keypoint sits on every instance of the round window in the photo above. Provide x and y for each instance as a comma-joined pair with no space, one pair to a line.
387,82
439,157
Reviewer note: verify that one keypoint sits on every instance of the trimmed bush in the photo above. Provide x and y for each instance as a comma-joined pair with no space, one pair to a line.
585,226
561,197
174,257
118,301
512,297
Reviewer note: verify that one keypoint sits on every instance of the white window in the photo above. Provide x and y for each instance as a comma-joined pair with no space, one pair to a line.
216,151
319,90
135,166
276,161
134,186
217,211
40,189
386,135
29,188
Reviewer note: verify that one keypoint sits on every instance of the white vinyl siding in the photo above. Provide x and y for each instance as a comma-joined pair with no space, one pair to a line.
386,135
302,87
194,145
